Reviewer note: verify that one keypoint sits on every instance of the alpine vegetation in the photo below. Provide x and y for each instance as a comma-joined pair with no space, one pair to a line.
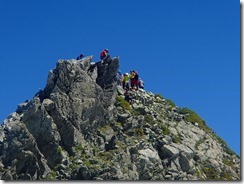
85,125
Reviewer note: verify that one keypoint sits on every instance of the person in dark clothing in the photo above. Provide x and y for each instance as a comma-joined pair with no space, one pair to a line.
128,97
80,56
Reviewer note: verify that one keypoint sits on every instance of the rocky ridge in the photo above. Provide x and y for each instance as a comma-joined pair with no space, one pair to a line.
79,127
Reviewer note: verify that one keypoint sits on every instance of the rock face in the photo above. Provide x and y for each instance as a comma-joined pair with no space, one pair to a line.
81,128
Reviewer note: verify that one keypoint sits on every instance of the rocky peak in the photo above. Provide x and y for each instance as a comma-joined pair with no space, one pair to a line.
80,127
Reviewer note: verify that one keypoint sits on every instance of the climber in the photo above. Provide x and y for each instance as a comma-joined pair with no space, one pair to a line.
128,97
126,81
134,79
140,83
132,75
105,57
80,56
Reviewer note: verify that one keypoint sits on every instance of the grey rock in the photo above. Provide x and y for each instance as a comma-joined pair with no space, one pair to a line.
123,117
184,163
74,129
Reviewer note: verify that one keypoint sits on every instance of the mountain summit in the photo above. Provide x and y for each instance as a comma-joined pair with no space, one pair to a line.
79,127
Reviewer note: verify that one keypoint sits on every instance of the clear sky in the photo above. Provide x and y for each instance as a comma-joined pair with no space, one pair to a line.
186,50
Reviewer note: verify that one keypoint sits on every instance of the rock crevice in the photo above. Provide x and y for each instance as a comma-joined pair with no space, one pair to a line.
79,127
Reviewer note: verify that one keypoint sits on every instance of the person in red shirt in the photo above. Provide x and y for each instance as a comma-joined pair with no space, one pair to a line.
134,80
104,56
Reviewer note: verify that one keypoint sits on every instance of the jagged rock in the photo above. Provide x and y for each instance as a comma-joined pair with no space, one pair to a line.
106,132
48,104
150,154
111,144
22,107
120,90
76,129
123,117
184,163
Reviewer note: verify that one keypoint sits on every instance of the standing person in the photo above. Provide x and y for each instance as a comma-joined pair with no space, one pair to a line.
136,78
140,83
132,80
104,56
126,81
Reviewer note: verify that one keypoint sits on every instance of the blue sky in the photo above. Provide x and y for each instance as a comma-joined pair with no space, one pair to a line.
187,51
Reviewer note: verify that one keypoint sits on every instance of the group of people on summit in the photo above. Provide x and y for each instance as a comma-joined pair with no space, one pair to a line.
129,81
104,56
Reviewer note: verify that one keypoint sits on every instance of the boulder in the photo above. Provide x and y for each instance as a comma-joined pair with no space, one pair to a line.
75,129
